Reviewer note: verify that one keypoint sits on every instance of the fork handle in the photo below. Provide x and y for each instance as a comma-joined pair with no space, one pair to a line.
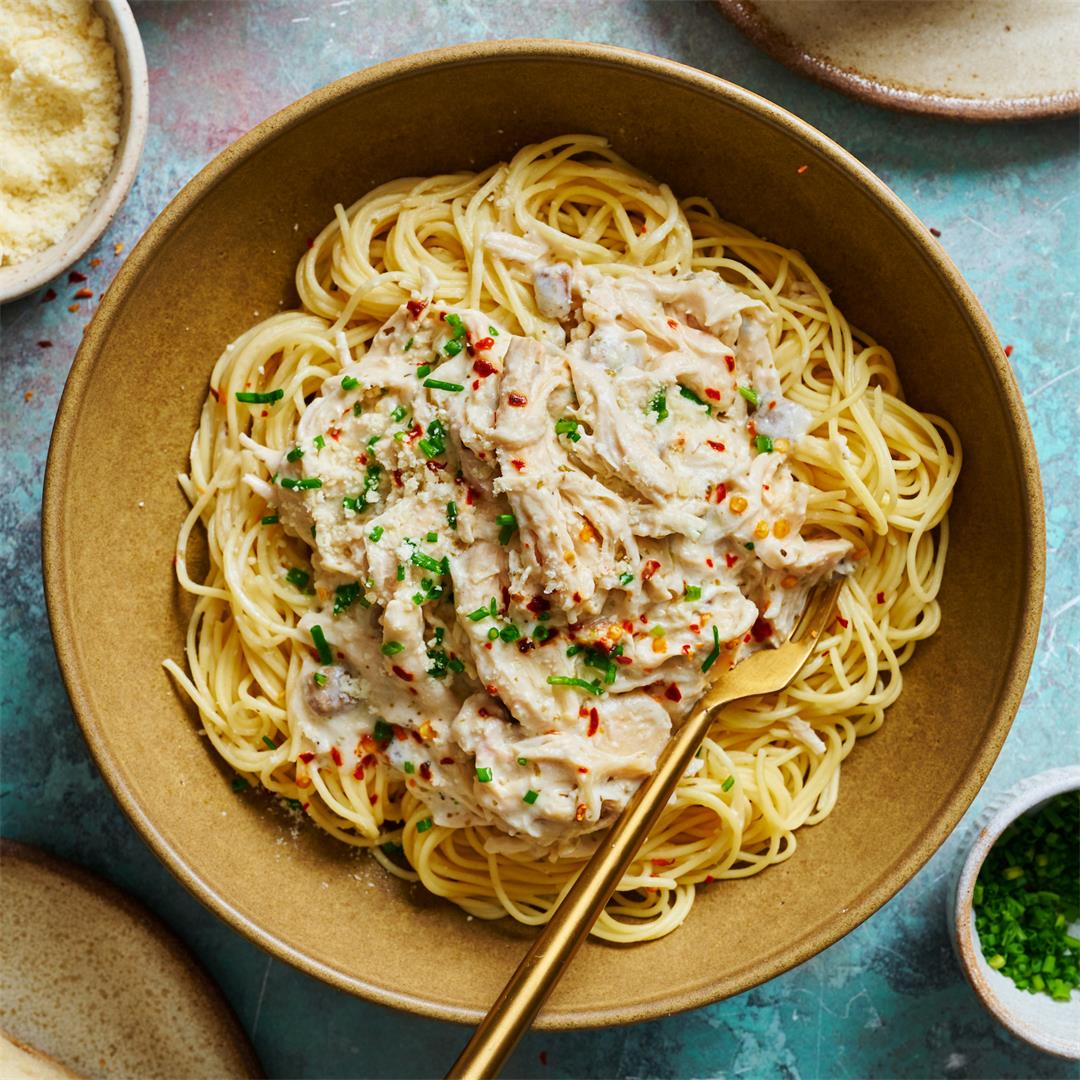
542,966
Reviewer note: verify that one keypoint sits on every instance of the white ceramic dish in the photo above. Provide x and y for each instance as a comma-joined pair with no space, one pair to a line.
123,33
1053,1026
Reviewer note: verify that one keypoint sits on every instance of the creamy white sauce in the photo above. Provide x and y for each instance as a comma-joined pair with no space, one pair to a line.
609,499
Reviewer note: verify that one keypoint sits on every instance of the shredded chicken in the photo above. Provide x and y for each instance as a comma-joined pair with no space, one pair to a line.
524,555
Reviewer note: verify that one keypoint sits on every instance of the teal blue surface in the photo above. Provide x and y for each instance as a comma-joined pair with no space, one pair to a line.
889,999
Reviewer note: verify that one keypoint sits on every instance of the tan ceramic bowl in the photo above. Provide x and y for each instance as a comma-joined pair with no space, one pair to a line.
223,253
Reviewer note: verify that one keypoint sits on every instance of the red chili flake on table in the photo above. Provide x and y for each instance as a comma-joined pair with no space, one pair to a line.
26,397
415,307
801,169
717,446
75,277
1008,350
730,361
594,722
721,492
650,568
934,232
44,344
73,308
712,393
518,464
881,598
517,400
484,343
425,771
483,368
673,693
50,294
306,757
401,673
762,629
543,1057
95,263
84,294
731,560
335,753
842,621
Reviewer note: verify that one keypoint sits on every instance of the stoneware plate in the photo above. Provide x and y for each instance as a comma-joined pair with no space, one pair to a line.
123,34
975,59
93,980
225,250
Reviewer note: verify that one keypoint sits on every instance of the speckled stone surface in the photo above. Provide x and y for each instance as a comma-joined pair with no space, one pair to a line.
888,1000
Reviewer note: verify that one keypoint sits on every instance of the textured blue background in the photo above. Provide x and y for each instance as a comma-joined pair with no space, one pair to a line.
889,999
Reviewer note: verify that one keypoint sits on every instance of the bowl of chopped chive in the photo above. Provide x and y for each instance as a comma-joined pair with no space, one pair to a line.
1016,911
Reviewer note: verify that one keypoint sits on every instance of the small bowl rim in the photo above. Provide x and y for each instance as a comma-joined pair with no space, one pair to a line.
24,277
385,74
1016,802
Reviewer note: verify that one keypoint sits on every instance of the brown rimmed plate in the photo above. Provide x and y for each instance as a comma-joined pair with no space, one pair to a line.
969,59
225,250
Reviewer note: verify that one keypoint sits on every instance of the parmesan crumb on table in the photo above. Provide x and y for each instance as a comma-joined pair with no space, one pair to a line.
59,120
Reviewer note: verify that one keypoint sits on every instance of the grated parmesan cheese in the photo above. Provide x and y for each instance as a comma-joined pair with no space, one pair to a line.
59,120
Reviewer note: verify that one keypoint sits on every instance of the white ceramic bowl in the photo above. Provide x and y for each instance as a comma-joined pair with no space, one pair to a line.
1053,1026
123,34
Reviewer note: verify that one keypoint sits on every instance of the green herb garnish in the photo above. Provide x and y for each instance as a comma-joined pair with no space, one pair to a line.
298,578
714,654
593,687
349,383
658,405
295,454
751,396
440,384
483,775
306,484
270,519
321,646
254,397
530,796
763,444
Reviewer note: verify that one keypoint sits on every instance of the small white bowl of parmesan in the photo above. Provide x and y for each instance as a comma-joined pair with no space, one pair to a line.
74,108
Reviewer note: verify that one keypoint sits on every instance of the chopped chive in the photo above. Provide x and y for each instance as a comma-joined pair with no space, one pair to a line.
347,595
325,655
400,572
357,410
451,514
573,650
422,370
714,655
293,804
373,440
268,397
392,648
320,679
658,405
478,614
686,392
455,665
306,484
493,634
319,442
408,345
376,534
453,347
300,578
749,546
239,784
269,742
349,383
530,796
751,396
390,848
408,767
382,732
593,687
426,562
541,632
763,444
439,384
270,519
483,775
431,537
728,784
523,761
625,579
509,527
693,592
295,454
399,414
510,633
492,331
423,826
569,427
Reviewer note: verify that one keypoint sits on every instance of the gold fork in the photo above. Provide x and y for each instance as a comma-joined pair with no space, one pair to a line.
516,1007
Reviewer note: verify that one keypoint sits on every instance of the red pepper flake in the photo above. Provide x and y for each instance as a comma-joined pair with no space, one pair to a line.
673,693
543,1057
934,232
730,361
709,563
583,770
306,757
476,384
762,629
517,400
628,626
470,497
650,568
368,760
594,722
84,294
801,169
373,798
26,397
1008,350
358,772
624,660
881,598
673,324
663,862
73,308
446,761
717,446
425,771
264,413
396,474
335,753
310,242
415,307
334,433
518,464
731,560
712,393
483,344
75,277
580,812
414,433
842,621
44,344
50,294
751,428
686,649
482,367
709,879
491,690
95,263
695,628
217,396
401,673
721,492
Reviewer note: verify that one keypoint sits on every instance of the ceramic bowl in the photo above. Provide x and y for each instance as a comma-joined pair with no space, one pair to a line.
1053,1026
225,250
123,34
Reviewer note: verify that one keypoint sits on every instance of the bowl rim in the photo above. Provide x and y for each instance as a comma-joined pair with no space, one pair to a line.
1013,804
24,277
60,612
